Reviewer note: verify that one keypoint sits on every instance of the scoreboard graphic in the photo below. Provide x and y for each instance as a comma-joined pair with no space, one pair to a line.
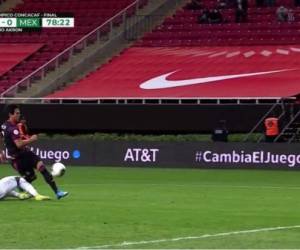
19,22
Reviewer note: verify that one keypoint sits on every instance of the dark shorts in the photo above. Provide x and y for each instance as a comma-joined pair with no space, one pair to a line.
26,163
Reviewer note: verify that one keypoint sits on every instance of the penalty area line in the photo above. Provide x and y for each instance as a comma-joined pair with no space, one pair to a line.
131,243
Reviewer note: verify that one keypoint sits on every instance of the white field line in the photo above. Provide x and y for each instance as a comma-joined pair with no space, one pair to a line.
203,236
183,185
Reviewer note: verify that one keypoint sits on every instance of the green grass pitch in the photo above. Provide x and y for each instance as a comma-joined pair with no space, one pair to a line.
157,208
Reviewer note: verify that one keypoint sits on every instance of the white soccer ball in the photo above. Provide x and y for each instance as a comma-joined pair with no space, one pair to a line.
58,169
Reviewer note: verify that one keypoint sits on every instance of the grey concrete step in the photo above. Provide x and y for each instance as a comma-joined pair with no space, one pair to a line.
96,54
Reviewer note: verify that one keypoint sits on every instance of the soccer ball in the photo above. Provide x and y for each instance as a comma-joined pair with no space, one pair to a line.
58,169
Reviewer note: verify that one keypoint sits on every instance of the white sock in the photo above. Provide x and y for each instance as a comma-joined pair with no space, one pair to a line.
28,187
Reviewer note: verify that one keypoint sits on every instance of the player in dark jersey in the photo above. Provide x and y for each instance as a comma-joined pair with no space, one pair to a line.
22,159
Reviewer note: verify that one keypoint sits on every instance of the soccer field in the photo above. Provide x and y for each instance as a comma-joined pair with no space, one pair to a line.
158,208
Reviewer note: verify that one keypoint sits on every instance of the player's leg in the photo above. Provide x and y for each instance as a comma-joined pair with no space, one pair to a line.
31,190
23,169
49,179
26,186
25,166
16,194
31,161
8,186
29,175
47,176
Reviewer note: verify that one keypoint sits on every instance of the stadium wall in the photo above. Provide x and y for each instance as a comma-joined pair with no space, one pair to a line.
148,118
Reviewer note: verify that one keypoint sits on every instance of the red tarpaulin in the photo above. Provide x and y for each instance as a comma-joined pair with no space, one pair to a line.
249,71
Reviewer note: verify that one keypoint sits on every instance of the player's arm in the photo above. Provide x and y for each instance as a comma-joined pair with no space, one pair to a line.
22,143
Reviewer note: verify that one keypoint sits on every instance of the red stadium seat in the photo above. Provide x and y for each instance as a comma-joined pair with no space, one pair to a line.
88,15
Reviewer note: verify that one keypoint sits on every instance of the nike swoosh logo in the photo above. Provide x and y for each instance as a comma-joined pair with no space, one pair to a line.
161,82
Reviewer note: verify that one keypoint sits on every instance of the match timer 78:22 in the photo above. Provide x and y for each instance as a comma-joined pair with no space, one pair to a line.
58,22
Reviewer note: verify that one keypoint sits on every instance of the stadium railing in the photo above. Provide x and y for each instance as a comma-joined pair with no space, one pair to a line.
147,100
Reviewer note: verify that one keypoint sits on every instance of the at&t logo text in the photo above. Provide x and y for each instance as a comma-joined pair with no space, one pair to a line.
141,155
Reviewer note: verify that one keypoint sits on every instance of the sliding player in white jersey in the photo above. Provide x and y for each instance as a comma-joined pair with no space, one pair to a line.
9,184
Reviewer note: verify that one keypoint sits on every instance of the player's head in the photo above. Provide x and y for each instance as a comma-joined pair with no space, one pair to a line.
14,112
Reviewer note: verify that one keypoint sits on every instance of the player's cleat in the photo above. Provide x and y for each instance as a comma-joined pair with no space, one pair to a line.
41,198
60,194
24,196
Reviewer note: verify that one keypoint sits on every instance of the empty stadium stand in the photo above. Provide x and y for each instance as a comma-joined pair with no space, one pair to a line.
88,15
251,59
180,49
13,54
